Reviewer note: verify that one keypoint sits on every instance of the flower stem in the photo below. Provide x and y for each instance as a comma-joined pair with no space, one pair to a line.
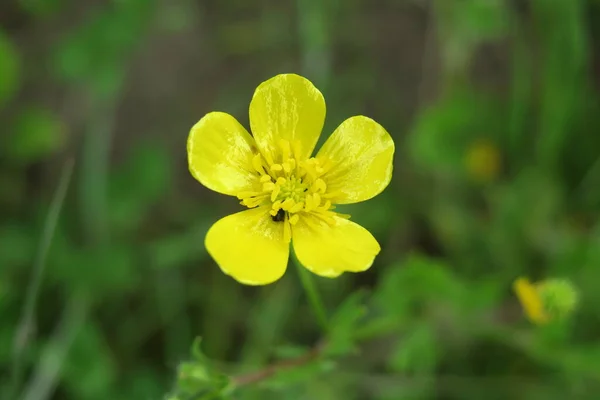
308,284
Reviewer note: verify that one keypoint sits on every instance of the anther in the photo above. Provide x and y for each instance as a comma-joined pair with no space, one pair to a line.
257,164
275,192
268,186
294,219
288,204
298,207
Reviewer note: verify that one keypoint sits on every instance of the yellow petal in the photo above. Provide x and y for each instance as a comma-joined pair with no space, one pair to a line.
331,250
360,153
220,154
530,301
249,246
288,107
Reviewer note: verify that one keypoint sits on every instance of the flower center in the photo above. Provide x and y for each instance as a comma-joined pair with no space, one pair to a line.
291,186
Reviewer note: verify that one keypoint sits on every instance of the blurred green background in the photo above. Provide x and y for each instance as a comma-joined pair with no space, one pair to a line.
104,279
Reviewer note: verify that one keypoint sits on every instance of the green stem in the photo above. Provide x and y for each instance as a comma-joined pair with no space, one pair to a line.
312,293
27,322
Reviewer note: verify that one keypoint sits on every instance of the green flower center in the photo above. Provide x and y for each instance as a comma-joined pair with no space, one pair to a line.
293,188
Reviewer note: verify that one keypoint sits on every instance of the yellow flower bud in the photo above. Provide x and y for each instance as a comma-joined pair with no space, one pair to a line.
549,300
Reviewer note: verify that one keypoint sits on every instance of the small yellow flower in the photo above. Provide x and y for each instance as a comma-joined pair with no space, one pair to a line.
483,161
290,195
530,301
548,300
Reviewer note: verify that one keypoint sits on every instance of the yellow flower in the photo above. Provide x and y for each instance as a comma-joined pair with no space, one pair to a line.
290,195
531,301
483,161
548,300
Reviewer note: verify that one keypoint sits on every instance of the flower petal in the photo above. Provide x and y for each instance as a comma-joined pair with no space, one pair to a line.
220,154
331,250
289,107
249,246
530,301
360,153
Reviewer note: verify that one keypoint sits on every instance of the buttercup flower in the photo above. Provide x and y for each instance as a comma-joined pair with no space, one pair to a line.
290,195
552,299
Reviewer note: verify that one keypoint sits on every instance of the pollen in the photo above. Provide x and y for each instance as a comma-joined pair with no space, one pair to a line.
290,186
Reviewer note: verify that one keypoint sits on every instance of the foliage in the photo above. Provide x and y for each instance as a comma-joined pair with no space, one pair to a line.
494,109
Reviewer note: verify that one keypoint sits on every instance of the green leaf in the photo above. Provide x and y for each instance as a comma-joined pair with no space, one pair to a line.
564,55
17,246
199,378
9,69
286,377
465,24
443,133
90,367
343,324
96,52
104,271
177,250
405,288
417,352
42,8
36,133
138,184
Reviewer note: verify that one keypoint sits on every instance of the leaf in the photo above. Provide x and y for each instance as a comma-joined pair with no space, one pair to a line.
199,377
90,367
343,324
104,271
565,58
94,54
36,134
465,24
286,377
138,184
416,353
9,69
443,133
177,250
42,8
417,282
17,246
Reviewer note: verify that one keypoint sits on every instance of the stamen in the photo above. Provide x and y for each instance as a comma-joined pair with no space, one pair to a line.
288,204
292,163
319,186
298,207
296,147
316,199
268,158
285,149
276,206
243,195
292,186
287,230
257,164
268,186
309,203
326,206
286,167
275,192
